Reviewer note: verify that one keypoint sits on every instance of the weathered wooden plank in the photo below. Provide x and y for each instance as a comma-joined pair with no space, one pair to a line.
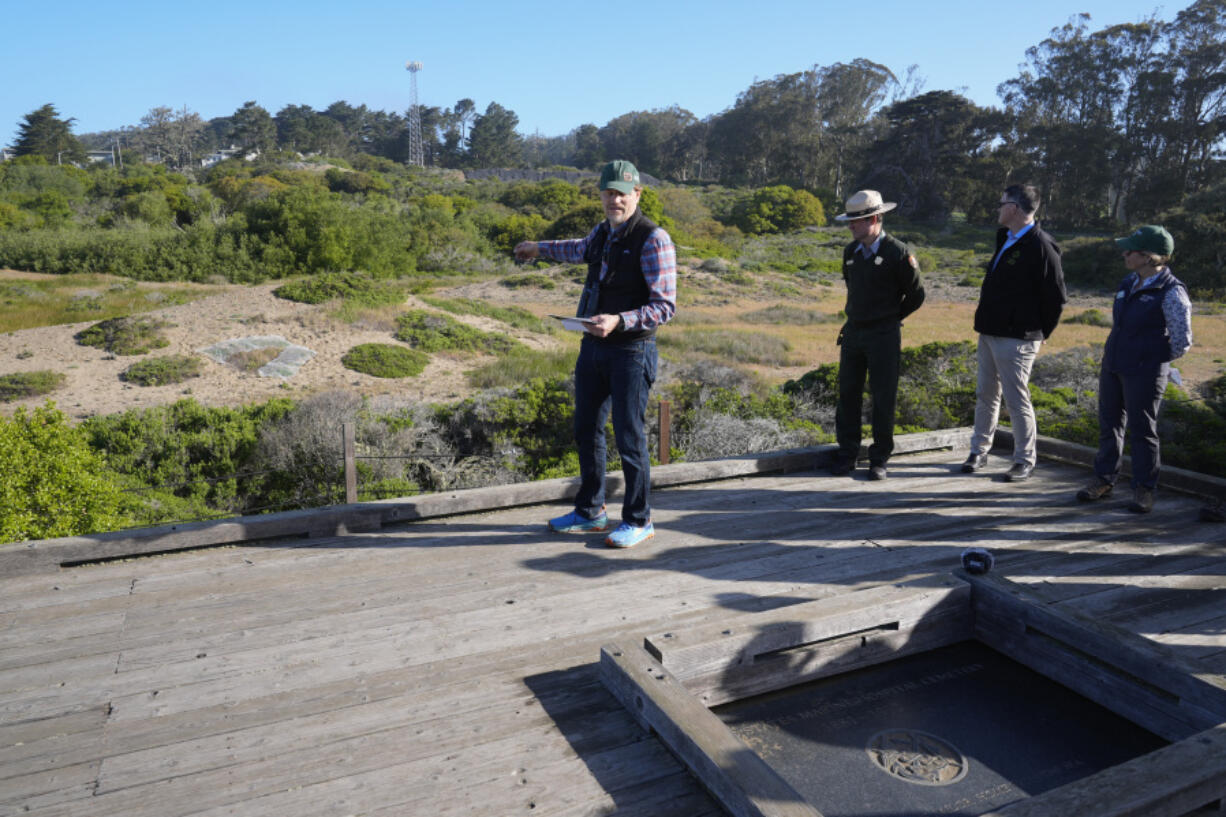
1169,782
1125,673
779,648
740,780
43,745
65,788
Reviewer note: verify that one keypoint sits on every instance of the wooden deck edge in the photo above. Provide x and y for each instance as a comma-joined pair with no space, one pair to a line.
1176,479
49,555
734,774
1172,781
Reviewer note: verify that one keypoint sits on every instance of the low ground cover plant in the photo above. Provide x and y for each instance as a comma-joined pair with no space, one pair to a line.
20,385
431,332
515,316
163,371
125,336
385,360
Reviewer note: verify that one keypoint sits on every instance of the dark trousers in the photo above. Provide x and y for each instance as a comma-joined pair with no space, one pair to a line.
1129,402
614,378
872,352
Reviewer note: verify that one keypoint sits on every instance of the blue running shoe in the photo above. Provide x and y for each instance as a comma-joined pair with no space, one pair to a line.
627,535
574,523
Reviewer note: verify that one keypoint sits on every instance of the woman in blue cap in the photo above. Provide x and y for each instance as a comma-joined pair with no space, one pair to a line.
1151,326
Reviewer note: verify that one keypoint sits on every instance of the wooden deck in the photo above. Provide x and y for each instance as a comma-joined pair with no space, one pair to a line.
449,666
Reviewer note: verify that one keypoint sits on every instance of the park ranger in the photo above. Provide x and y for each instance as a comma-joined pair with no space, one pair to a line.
883,288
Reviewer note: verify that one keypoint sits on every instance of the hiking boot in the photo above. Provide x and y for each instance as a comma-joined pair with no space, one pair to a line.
1142,500
1098,489
573,522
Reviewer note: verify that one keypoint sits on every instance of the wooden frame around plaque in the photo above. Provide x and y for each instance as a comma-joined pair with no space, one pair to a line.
670,682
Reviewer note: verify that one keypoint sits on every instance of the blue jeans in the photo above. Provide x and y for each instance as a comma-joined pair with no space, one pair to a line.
618,378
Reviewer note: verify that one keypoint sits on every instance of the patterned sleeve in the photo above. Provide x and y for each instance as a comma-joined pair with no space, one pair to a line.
1178,311
659,262
569,250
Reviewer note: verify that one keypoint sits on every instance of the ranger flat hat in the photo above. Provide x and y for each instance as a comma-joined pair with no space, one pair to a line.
865,203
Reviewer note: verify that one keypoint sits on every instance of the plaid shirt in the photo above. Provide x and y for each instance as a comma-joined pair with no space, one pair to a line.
658,261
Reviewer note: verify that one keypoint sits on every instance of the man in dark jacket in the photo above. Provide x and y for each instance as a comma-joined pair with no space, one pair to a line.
1019,306
883,287
631,290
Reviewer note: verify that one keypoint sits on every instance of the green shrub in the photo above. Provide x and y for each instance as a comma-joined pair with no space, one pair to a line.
1091,317
431,332
530,428
21,385
125,336
549,198
354,287
205,457
505,234
385,360
576,222
778,209
54,483
162,371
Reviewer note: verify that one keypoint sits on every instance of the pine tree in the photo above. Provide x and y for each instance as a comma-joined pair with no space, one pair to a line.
44,133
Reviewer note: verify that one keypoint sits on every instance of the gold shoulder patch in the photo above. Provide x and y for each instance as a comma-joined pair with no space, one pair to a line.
911,260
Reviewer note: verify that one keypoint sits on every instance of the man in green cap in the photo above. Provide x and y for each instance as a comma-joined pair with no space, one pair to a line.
1151,326
630,291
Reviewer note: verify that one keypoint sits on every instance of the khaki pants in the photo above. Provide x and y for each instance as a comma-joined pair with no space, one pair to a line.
1004,370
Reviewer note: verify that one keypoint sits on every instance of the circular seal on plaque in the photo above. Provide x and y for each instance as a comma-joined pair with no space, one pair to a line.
917,757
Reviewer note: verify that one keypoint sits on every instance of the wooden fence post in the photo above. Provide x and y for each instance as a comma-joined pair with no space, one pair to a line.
351,469
666,422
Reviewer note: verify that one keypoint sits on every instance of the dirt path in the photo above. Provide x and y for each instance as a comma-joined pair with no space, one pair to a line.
93,385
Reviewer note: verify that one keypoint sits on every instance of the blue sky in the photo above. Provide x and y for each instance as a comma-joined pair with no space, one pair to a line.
107,64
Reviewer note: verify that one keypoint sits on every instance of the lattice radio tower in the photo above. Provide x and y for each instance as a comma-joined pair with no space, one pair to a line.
417,155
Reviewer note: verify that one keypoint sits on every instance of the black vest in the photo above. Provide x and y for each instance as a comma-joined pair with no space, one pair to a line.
624,289
1139,341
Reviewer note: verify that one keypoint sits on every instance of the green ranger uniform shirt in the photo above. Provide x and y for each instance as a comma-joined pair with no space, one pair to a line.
885,287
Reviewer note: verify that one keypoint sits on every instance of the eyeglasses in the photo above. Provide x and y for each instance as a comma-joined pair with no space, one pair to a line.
1007,203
